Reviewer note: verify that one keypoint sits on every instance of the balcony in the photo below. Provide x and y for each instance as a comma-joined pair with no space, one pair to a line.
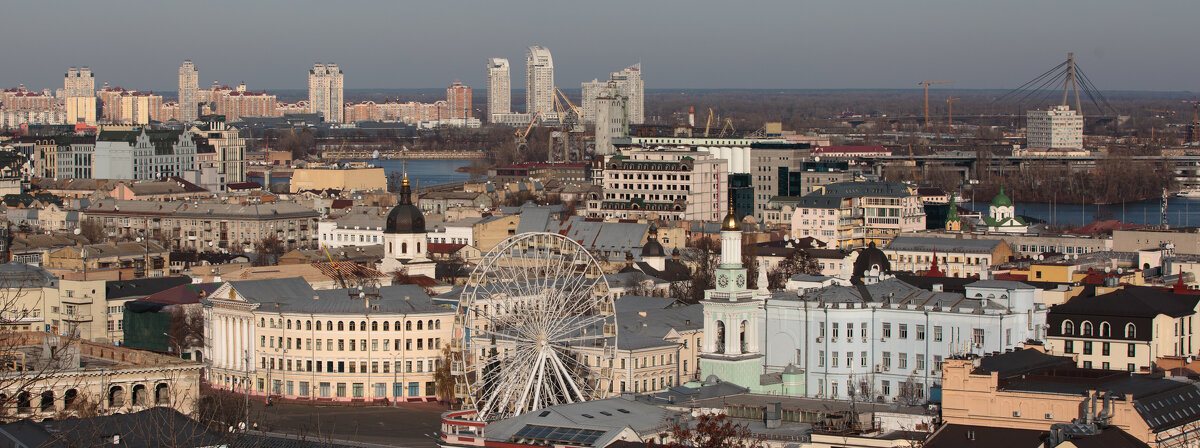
77,317
81,300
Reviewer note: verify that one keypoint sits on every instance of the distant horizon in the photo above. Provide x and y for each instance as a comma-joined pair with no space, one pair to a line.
696,44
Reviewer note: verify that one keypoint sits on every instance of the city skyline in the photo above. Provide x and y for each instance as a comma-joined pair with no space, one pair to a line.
819,46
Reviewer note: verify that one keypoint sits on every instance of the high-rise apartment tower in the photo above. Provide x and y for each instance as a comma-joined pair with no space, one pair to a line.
499,88
325,91
189,86
539,81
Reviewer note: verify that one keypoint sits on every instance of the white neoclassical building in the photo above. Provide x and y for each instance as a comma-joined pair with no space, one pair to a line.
280,337
405,242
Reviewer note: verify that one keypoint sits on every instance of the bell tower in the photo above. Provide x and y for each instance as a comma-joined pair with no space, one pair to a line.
733,316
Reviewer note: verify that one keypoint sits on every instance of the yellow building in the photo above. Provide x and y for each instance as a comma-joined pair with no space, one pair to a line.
281,337
83,378
1029,389
1126,329
356,179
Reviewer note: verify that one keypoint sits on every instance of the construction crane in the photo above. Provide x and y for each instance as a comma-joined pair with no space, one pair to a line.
927,84
708,124
950,113
336,270
728,128
521,135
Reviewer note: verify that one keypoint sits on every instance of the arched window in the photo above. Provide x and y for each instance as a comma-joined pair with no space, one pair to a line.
162,394
262,322
351,325
374,326
385,325
318,325
418,247
329,325
116,397
720,337
1085,329
396,325
362,326
429,325
408,325
289,324
47,401
1068,328
1105,330
341,326
308,325
139,395
437,324
404,248
69,398
1130,331
420,325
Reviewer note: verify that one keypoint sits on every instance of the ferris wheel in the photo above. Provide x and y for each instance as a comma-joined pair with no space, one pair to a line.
535,327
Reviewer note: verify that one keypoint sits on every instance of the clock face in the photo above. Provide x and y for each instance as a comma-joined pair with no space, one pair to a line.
741,280
722,280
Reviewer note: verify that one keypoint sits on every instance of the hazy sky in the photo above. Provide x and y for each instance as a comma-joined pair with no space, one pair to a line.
1120,44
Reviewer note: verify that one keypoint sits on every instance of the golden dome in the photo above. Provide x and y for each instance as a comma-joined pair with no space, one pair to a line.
731,223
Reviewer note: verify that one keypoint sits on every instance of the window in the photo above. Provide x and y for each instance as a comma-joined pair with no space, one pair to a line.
849,330
1069,346
1130,331
920,361
1130,367
887,360
903,331
821,358
887,330
835,330
886,387
937,333
1087,347
977,337
920,332
1085,329
849,359
1132,350
902,361
834,359
862,359
1104,346
1105,330
1087,364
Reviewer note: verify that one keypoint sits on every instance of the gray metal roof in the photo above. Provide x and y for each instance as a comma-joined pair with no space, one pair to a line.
295,295
610,415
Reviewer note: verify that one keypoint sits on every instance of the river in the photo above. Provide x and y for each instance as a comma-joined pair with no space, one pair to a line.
424,172
1180,212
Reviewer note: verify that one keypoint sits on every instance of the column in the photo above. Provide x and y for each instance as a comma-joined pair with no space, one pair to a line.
733,334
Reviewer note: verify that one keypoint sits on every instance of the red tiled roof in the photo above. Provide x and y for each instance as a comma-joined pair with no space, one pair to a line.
445,248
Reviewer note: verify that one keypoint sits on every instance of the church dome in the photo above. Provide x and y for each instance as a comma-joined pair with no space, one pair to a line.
730,223
652,247
1001,199
405,217
871,258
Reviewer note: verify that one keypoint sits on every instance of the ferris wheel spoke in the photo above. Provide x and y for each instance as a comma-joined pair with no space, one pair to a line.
534,309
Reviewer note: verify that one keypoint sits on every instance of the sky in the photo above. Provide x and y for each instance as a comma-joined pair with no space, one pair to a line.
770,44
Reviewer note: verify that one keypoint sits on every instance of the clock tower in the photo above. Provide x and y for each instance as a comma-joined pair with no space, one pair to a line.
733,316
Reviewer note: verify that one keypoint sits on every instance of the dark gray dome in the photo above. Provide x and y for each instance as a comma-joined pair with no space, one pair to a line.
405,217
870,258
653,249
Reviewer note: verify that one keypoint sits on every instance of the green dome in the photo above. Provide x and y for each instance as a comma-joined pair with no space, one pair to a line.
1001,200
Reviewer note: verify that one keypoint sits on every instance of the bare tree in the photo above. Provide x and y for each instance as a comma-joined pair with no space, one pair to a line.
267,251
713,431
